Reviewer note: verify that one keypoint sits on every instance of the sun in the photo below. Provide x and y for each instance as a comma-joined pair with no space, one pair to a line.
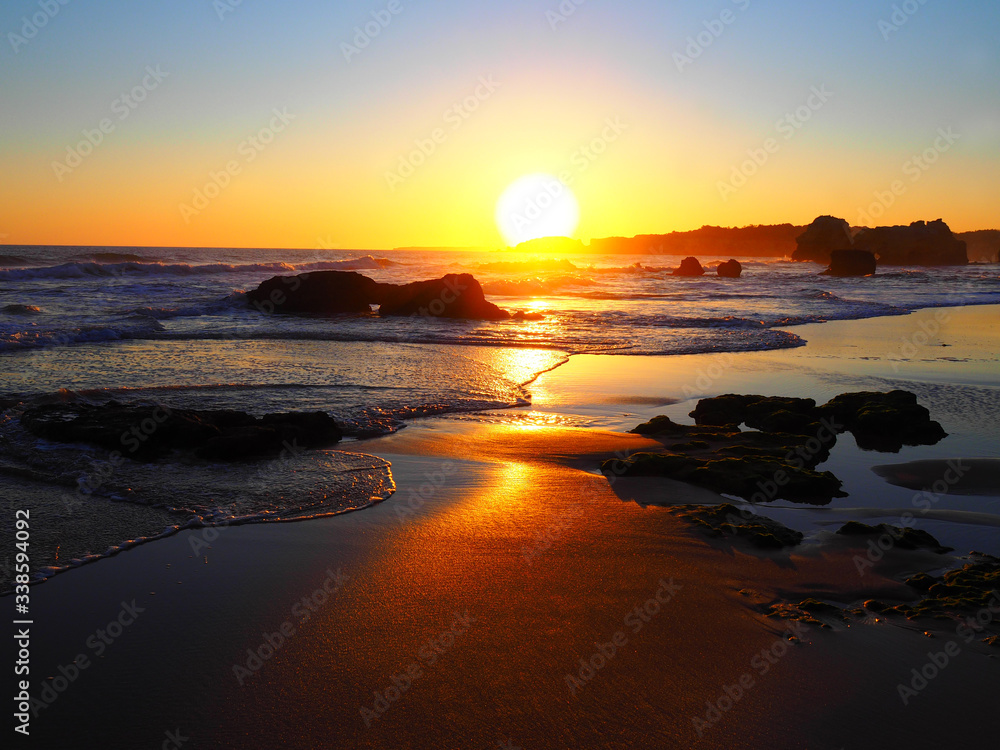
536,205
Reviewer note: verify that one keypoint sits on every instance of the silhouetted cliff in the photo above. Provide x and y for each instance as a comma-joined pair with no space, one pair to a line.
776,240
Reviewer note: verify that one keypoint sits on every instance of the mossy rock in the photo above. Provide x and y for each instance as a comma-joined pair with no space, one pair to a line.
884,421
728,520
661,425
905,537
691,445
921,582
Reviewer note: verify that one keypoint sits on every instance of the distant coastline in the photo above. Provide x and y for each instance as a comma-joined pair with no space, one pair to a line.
757,241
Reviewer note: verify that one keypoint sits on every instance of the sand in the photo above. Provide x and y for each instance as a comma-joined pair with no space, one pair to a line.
503,561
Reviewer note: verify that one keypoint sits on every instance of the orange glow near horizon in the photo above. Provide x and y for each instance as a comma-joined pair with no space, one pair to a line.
390,152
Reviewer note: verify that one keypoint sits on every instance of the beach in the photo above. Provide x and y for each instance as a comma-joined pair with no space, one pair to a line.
456,613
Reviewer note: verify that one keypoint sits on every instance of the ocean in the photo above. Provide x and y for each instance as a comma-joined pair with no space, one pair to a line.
173,326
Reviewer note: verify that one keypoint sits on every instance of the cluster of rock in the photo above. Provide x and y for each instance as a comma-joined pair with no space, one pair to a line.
731,269
332,292
789,438
829,240
954,597
728,521
148,431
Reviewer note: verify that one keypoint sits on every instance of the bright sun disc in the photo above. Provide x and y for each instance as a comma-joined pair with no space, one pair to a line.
536,205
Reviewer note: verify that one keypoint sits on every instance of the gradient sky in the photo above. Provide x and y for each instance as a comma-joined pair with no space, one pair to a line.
322,180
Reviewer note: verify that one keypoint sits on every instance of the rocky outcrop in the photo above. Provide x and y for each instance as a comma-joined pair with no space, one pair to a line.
851,263
731,269
147,431
883,421
982,246
905,537
333,292
879,421
790,437
740,476
821,238
689,267
452,296
727,520
319,292
920,244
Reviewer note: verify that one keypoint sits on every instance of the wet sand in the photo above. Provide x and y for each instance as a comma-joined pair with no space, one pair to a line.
501,562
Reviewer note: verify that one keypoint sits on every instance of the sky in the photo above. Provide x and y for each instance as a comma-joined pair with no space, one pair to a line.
402,122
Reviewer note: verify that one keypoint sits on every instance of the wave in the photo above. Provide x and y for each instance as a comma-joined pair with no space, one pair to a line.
534,287
509,266
21,340
134,268
235,300
12,260
115,257
21,309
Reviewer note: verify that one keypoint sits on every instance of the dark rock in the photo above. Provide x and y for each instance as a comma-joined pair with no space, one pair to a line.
921,581
742,477
242,443
884,421
312,429
971,588
729,409
689,267
920,244
905,537
728,520
333,292
147,431
139,430
661,425
851,263
319,292
821,238
759,411
690,445
731,269
752,410
874,605
453,296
